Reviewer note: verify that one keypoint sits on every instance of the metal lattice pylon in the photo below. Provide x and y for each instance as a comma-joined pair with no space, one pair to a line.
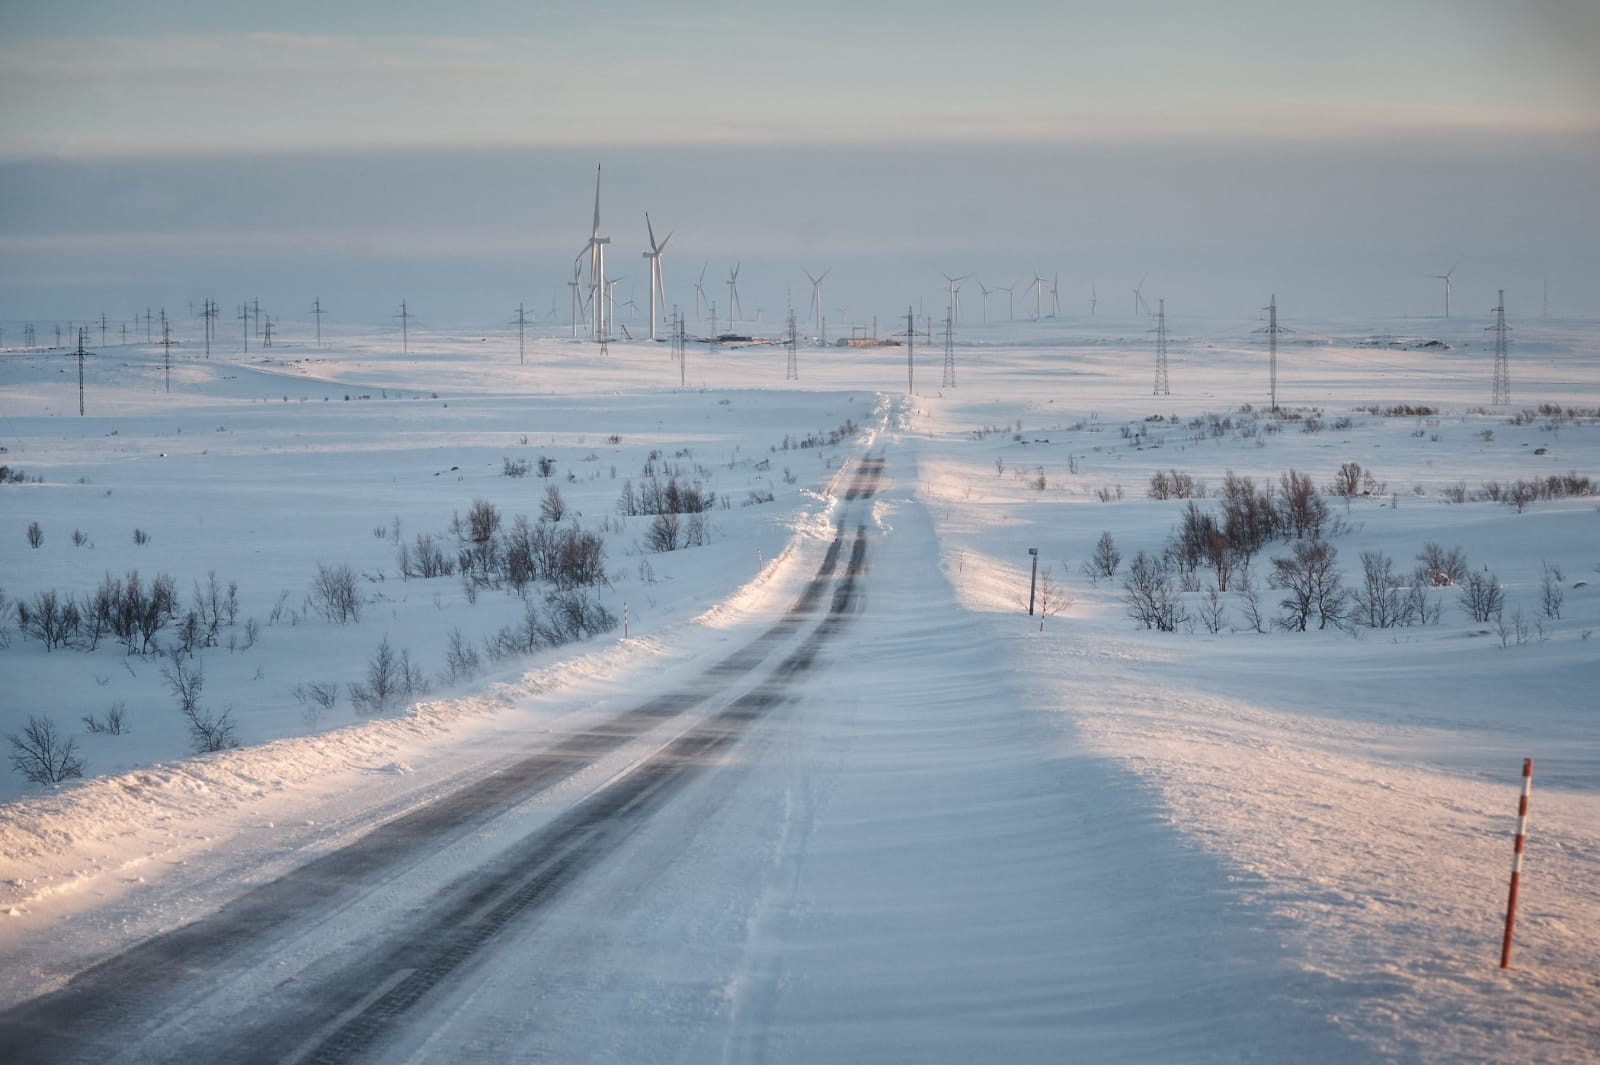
1162,387
1502,367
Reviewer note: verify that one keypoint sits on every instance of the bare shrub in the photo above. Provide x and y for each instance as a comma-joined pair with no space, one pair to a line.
1150,596
483,521
1249,514
515,467
1347,482
1213,610
35,534
552,508
1106,557
1302,510
1383,600
41,755
337,592
114,724
49,618
1481,596
663,533
208,732
1444,568
1551,594
140,537
460,658
1309,579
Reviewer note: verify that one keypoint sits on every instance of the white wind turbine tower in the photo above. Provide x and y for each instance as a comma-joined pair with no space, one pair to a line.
987,292
1038,296
1138,296
733,295
1093,299
700,295
1011,300
575,284
955,295
597,265
1445,277
1055,296
656,284
816,301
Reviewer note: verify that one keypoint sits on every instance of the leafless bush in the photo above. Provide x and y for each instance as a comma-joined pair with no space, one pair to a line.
1151,598
1249,514
214,605
35,534
1551,593
41,755
337,592
483,521
461,658
49,618
7,611
552,508
1250,597
1106,557
1309,579
1171,484
662,534
1383,601
115,723
1481,596
1052,596
515,467
1444,568
547,466
1302,510
140,537
208,732
1213,610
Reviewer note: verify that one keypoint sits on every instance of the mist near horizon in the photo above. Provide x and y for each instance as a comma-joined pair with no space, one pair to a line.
1337,228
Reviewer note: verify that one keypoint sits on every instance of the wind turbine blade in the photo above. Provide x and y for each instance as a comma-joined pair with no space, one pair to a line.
663,245
596,199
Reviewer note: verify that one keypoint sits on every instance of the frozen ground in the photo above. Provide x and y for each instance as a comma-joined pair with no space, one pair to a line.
964,832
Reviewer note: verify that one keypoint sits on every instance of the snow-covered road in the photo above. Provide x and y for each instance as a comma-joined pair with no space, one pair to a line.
799,857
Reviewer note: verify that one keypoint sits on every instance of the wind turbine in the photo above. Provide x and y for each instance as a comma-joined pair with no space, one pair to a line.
1138,296
733,295
634,307
656,284
1038,296
700,295
955,295
597,264
987,292
816,294
1055,296
1011,300
575,284
1445,277
1093,299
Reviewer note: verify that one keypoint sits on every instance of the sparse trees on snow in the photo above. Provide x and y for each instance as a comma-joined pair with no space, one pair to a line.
41,754
1481,596
1309,578
1150,596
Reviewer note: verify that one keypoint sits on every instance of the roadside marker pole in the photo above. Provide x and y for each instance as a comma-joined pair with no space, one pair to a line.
1516,861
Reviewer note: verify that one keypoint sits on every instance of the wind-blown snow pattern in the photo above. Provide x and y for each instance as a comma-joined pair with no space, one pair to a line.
835,794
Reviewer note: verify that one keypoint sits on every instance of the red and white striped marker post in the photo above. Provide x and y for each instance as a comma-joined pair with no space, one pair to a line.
1516,861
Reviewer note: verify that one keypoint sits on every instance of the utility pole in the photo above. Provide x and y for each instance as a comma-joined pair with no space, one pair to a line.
1502,368
405,317
911,333
147,337
266,333
680,348
102,329
316,312
166,346
1162,388
949,352
124,333
522,345
791,370
257,305
1272,329
244,316
81,353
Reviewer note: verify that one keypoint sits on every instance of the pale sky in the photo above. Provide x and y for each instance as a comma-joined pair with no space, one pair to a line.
405,142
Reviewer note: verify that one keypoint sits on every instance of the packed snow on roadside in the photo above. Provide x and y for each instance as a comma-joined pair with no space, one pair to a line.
1356,784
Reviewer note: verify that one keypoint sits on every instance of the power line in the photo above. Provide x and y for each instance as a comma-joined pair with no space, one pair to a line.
166,346
522,332
791,371
244,316
81,354
316,312
949,351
